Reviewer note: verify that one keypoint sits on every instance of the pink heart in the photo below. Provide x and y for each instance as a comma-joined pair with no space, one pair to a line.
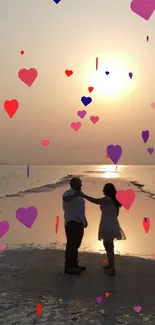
137,309
45,143
143,8
94,119
126,198
2,248
28,76
99,300
75,126
153,105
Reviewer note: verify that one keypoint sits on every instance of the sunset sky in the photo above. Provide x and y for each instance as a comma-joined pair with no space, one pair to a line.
70,35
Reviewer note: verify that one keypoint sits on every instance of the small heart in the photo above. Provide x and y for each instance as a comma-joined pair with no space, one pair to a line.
45,143
81,113
94,119
11,107
56,1
90,89
2,248
130,75
99,300
153,105
107,294
22,52
104,260
150,150
145,135
75,126
126,198
68,73
107,72
137,309
28,76
86,100
143,8
4,227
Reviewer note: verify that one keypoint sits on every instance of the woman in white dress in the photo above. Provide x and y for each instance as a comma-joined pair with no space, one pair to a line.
109,227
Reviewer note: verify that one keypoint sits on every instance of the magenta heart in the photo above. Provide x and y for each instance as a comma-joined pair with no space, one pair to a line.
143,8
150,150
99,300
81,113
4,227
27,216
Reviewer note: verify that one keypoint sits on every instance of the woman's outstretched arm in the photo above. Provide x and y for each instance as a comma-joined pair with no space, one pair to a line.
93,200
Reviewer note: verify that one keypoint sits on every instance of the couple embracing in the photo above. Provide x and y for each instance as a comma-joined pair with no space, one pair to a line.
75,222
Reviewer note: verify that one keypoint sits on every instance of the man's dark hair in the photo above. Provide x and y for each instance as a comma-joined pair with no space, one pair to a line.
74,181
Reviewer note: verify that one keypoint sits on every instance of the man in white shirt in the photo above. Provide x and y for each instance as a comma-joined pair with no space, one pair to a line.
75,222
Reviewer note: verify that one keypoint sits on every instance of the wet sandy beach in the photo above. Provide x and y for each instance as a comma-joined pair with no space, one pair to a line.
30,276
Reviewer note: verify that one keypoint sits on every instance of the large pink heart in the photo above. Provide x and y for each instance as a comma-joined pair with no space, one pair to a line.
28,76
143,8
126,198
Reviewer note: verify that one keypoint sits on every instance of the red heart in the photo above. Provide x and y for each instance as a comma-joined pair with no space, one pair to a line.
90,89
107,294
11,107
104,260
68,72
22,52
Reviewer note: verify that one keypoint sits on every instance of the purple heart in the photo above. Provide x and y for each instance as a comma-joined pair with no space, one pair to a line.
130,75
107,72
56,1
82,113
86,100
27,216
150,150
4,227
145,135
114,152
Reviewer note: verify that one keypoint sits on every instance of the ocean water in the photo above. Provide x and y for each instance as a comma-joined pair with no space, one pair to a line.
13,178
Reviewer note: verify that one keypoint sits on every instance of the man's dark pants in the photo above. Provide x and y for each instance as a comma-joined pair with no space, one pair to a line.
74,234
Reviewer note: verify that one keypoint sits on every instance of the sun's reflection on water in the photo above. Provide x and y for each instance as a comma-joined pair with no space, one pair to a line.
110,171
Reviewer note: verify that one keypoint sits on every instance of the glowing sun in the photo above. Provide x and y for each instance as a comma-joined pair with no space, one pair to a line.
115,84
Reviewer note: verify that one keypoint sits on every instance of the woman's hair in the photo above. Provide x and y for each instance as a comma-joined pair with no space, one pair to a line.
110,190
